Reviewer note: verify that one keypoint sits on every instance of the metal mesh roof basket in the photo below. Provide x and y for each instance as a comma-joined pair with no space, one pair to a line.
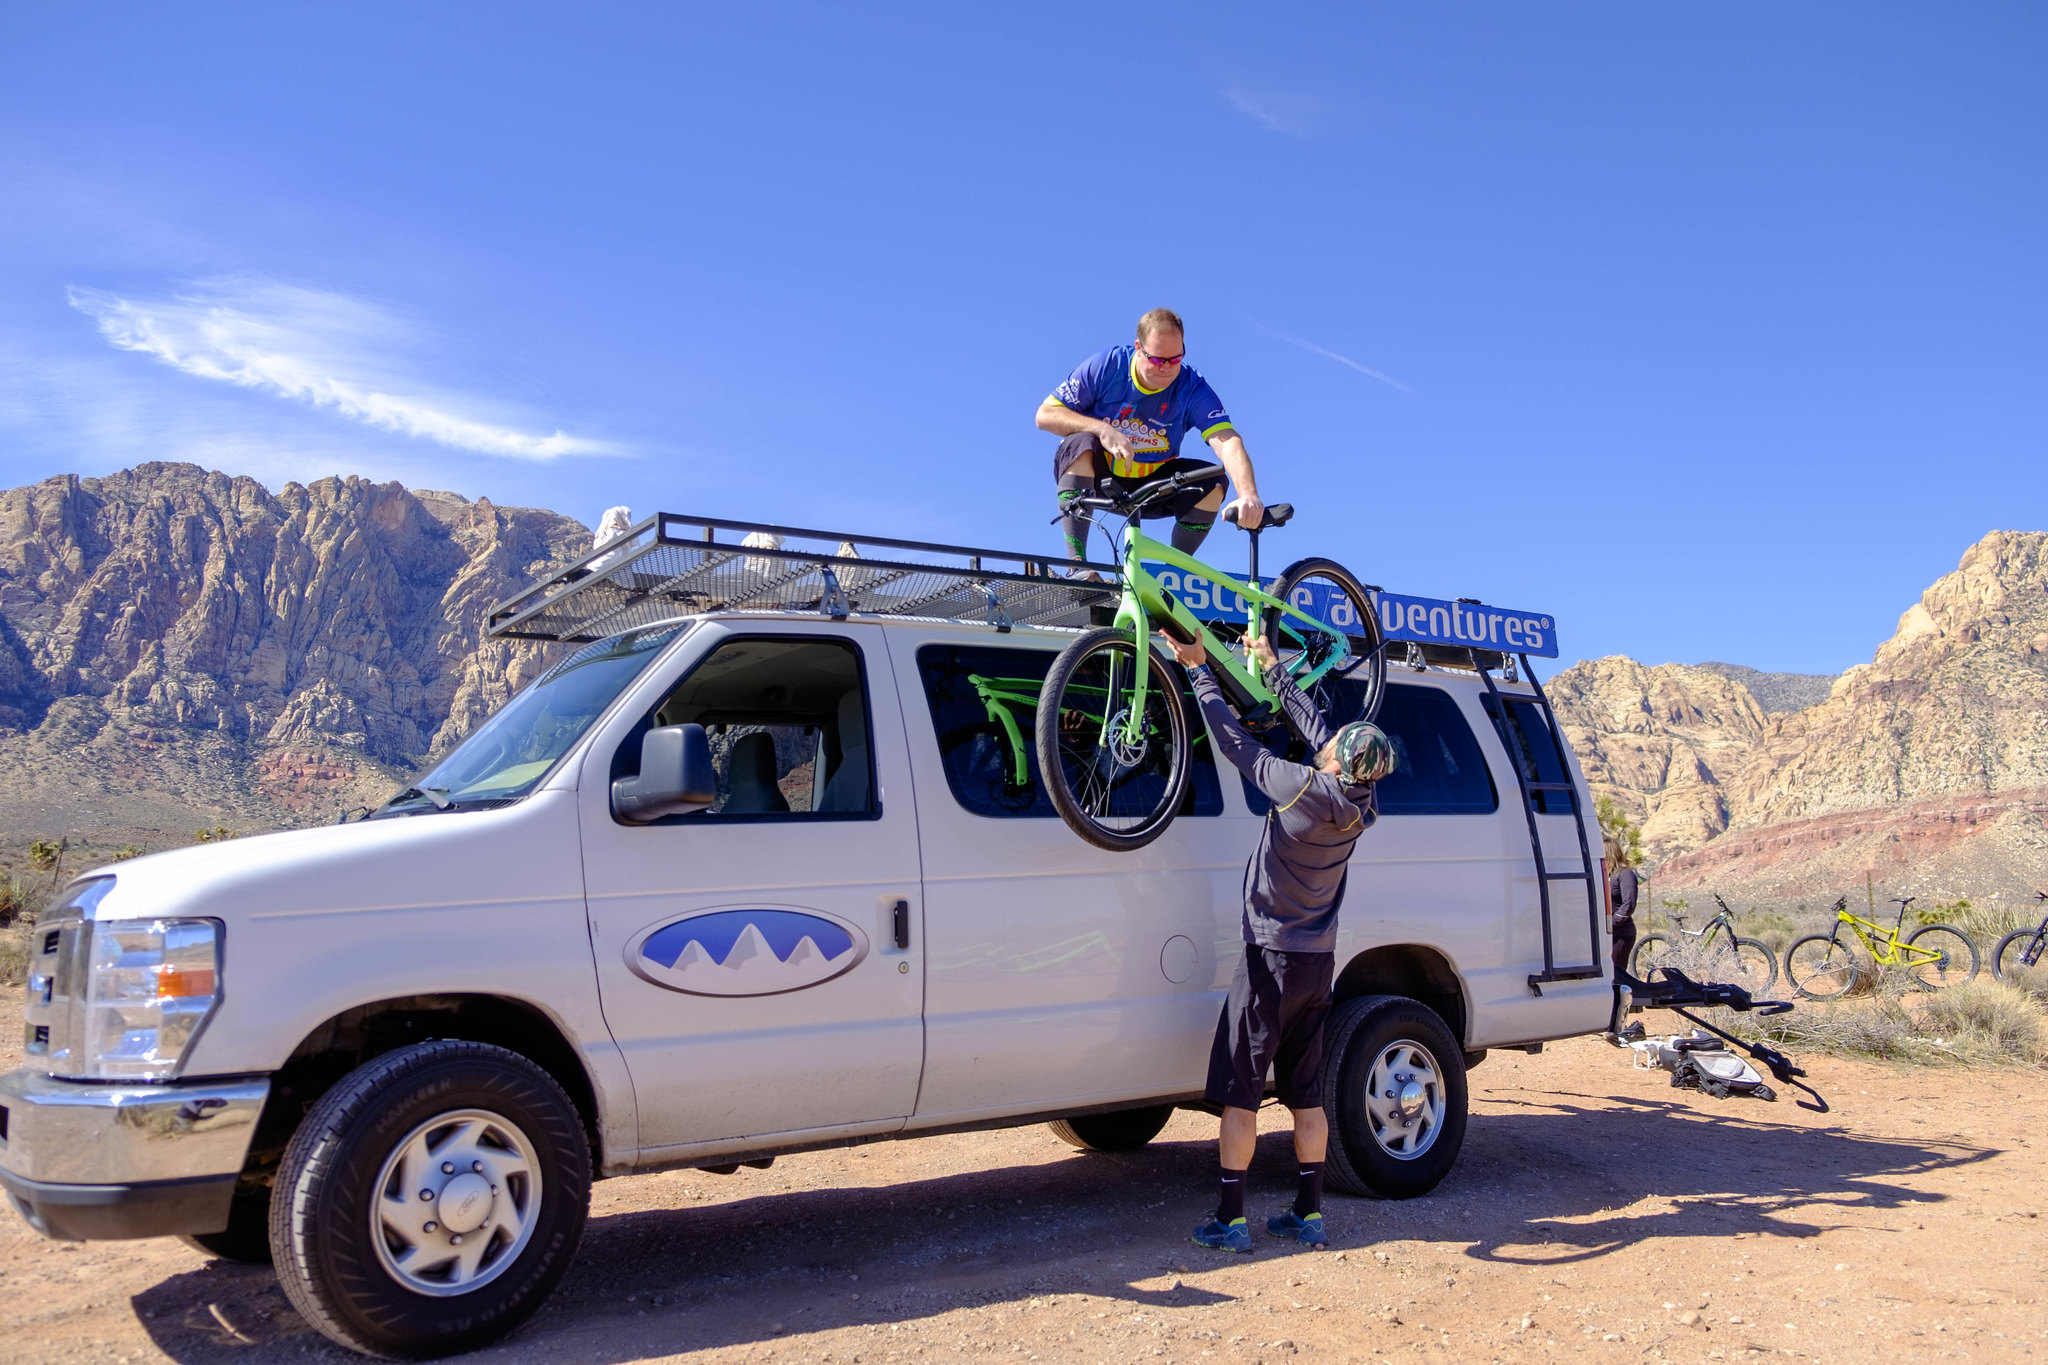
673,565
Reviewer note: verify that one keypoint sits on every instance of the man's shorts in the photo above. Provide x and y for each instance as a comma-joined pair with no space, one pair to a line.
1082,443
1273,1018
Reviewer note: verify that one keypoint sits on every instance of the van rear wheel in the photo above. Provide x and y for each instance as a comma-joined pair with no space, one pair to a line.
1124,1131
1394,1088
430,1202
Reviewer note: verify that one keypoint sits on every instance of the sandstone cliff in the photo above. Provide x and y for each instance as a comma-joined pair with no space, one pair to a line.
180,648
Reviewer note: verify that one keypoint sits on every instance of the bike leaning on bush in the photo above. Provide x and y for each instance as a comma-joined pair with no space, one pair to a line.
2022,949
1823,966
1716,953
1114,744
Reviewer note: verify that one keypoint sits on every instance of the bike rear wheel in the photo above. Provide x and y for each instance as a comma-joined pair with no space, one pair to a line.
1651,951
2009,958
1956,964
1117,792
1820,967
1327,591
1755,967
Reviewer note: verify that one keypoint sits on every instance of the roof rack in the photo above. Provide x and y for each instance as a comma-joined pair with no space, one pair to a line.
675,565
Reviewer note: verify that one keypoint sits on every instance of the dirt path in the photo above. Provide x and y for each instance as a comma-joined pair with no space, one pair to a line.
1596,1214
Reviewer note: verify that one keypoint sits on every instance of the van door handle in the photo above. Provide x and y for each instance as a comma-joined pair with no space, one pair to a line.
899,920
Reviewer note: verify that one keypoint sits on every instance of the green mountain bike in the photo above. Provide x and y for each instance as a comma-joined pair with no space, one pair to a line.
1114,744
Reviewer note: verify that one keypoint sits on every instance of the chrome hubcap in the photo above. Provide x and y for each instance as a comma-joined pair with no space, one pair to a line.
456,1203
1405,1100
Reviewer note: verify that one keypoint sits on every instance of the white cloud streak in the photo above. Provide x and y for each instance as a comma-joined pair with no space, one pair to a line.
1328,354
1277,111
320,349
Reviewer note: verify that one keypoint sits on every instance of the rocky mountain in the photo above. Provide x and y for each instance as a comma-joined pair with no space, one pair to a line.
1778,692
1927,766
180,649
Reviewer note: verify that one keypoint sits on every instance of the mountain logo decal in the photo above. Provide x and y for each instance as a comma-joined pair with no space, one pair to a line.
762,951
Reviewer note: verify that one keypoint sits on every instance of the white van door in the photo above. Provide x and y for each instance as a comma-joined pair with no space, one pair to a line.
759,961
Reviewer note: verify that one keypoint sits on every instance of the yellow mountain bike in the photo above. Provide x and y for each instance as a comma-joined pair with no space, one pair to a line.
1823,966
1114,744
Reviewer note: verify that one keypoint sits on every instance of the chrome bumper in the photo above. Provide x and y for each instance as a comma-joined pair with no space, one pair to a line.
88,1160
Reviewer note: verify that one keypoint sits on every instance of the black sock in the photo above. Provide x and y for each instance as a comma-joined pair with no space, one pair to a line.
1310,1198
1072,526
1189,535
1230,1205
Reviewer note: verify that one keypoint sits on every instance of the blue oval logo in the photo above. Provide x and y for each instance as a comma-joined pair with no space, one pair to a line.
763,950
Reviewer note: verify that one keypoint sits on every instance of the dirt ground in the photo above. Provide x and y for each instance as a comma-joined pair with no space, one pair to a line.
1595,1214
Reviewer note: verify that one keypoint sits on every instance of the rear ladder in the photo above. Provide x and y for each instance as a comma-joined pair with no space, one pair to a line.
1502,720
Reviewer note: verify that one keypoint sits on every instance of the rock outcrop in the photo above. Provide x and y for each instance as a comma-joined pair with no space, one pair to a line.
180,648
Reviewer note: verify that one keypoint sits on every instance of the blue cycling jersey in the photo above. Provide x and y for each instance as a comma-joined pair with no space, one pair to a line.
1106,387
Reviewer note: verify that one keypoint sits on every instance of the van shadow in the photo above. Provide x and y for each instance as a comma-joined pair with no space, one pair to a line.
1549,1185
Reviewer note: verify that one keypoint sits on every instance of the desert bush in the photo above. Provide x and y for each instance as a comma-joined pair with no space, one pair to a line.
14,944
215,835
124,853
1771,926
1988,1019
43,855
1980,1023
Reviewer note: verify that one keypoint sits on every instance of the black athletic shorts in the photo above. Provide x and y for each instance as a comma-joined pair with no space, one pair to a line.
1273,1018
1179,506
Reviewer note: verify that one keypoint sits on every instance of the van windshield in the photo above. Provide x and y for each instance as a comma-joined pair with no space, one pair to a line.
514,750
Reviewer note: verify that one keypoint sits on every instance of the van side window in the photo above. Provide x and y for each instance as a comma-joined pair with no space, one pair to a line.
984,707
1440,768
788,724
1529,734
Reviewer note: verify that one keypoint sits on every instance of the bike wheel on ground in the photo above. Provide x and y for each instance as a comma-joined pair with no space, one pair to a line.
1821,968
1956,963
1117,789
2009,958
1750,965
1327,591
1651,951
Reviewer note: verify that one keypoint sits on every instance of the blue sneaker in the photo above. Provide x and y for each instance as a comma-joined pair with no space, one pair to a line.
1295,1228
1224,1237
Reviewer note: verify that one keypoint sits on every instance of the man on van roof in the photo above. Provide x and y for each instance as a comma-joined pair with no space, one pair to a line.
1122,414
1293,885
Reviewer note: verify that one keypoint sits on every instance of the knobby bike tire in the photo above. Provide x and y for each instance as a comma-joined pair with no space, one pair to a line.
1761,958
1956,949
1117,801
2010,954
1362,634
1827,970
1643,958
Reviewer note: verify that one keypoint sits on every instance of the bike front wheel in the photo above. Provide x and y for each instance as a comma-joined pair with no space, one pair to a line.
1820,967
1651,952
1954,960
1327,591
1117,786
1749,964
2009,959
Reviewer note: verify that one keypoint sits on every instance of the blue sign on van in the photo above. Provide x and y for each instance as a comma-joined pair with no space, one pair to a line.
1428,620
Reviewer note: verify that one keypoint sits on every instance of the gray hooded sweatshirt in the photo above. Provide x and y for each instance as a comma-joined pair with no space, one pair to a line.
1294,882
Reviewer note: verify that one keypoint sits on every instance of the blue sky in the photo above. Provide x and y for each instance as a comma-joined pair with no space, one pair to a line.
1718,331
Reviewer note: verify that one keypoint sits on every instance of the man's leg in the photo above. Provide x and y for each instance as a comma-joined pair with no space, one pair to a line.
1237,1081
1194,511
1076,466
1298,1069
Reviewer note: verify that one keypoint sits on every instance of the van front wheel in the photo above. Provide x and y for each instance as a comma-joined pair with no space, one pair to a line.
1394,1088
1124,1131
430,1202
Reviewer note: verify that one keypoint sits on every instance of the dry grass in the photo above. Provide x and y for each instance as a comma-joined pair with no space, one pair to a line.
1982,1023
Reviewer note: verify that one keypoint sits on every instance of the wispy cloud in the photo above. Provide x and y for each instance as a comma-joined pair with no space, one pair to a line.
1277,111
1328,354
313,347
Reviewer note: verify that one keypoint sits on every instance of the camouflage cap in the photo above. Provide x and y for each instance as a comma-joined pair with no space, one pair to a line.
1364,753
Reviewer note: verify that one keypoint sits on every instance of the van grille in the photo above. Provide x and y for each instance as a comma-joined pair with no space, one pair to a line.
56,994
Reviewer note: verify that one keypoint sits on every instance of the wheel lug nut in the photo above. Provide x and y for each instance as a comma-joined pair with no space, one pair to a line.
455,1239
476,1166
431,1227
447,1168
427,1196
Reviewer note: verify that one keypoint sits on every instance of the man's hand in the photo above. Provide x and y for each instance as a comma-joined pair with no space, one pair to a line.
1250,511
1116,442
1262,652
1193,654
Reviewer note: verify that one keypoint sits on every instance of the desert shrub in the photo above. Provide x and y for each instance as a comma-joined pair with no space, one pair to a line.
1771,926
124,853
43,855
1980,1023
1988,1019
14,945
217,834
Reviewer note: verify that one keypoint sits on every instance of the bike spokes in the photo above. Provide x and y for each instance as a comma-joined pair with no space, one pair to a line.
1115,758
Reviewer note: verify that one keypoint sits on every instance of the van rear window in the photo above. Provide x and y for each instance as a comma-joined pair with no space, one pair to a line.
1530,735
1441,769
984,707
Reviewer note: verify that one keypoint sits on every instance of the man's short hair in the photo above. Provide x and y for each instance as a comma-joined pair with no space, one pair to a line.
1157,319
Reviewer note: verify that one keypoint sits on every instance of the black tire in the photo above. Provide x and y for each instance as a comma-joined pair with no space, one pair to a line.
246,1238
1821,968
1125,799
1361,1032
1363,685
1124,1131
1643,957
2008,959
1958,964
334,1263
1756,966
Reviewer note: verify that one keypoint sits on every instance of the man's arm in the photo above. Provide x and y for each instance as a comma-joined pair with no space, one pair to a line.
1301,712
1061,420
1229,448
1280,780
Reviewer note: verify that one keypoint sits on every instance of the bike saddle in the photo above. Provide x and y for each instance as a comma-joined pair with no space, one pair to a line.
1277,514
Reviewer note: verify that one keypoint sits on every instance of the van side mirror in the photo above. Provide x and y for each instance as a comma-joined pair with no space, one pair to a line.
675,776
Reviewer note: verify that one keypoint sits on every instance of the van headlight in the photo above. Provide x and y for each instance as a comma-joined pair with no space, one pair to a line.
149,986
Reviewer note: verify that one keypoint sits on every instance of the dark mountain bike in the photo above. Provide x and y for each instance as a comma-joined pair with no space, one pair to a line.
2021,950
1715,952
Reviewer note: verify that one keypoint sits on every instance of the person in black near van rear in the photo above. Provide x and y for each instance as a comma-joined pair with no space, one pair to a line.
1621,902
1293,885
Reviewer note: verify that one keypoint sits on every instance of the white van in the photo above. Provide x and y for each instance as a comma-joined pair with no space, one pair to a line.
395,1052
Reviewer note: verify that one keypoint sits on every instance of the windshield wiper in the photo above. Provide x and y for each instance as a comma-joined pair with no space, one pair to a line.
437,795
